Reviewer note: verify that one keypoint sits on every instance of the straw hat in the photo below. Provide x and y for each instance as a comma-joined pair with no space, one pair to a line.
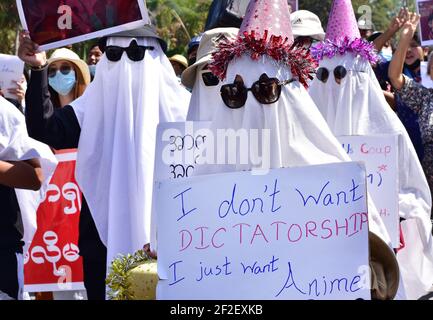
208,45
64,54
385,273
180,59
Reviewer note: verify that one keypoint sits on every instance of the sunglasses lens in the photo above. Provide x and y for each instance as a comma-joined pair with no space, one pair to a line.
340,72
135,53
114,53
52,72
323,74
210,79
65,70
267,92
234,95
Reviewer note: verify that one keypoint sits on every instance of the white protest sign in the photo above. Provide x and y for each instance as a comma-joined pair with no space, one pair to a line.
380,155
178,146
299,233
11,71
426,78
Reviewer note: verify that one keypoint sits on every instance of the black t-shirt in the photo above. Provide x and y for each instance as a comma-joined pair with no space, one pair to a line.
11,225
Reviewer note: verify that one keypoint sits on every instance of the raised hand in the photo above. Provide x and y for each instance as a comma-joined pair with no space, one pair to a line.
411,21
28,51
398,21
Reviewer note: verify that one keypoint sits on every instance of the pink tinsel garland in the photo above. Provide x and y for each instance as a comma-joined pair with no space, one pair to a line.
341,46
298,60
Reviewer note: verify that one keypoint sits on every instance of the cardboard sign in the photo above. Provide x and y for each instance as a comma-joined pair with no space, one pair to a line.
299,233
11,71
380,155
425,10
52,262
58,23
178,145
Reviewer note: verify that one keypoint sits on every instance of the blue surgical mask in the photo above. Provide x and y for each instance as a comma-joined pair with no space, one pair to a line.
63,83
92,69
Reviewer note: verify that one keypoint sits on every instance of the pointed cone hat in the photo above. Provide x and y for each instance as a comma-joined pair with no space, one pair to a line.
343,36
271,16
342,21
265,30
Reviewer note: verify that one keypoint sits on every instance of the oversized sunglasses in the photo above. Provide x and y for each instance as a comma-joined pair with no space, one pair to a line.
134,52
209,79
265,90
340,73
64,69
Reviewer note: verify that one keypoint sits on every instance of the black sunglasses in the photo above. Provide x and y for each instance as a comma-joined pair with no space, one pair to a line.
265,90
209,79
134,52
340,73
64,69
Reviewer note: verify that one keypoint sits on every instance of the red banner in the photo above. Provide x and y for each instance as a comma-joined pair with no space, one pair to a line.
53,262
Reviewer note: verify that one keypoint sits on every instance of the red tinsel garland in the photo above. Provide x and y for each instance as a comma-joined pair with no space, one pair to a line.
299,60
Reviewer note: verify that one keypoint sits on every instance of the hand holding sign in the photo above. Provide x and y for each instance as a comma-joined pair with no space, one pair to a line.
28,51
11,72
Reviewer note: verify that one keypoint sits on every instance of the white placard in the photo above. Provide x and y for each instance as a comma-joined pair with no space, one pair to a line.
178,144
299,233
11,71
426,78
380,155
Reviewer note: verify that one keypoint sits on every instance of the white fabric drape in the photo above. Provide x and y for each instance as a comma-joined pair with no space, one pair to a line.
16,145
118,115
202,105
358,107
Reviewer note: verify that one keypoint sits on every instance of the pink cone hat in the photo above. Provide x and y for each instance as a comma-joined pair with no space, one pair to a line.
266,31
343,36
270,15
342,21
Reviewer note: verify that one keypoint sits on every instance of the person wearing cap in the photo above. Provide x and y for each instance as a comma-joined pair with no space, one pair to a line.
114,127
351,100
200,79
306,27
192,49
179,64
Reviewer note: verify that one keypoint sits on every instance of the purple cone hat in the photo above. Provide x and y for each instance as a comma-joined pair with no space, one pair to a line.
343,36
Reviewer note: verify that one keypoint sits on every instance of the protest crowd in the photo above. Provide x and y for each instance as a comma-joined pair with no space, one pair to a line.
80,139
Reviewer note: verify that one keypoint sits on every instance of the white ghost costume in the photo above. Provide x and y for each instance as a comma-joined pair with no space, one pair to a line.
299,136
118,115
358,107
16,145
202,107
